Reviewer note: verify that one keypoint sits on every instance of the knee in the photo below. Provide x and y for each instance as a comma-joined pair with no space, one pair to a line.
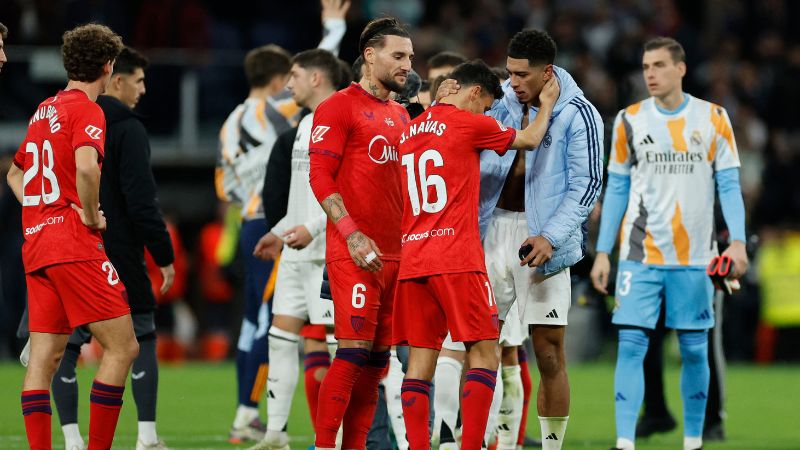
694,346
549,360
130,349
633,344
483,354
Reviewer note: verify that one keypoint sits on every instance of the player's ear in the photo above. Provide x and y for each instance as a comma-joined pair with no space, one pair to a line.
548,72
682,68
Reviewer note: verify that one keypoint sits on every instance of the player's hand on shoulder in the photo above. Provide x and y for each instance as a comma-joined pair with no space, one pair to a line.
334,9
168,274
599,274
737,251
447,87
550,92
268,247
364,251
99,222
540,254
297,237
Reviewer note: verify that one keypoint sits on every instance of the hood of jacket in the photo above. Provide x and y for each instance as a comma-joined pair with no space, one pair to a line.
569,90
115,110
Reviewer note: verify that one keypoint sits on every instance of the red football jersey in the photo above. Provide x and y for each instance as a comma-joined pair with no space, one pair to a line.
440,158
53,231
360,132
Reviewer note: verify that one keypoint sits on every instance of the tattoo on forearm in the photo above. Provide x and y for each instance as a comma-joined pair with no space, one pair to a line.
334,207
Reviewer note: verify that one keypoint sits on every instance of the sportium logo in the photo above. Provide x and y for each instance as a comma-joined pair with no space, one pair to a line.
380,152
674,163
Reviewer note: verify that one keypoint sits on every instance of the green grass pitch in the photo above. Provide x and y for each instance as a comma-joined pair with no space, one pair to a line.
196,407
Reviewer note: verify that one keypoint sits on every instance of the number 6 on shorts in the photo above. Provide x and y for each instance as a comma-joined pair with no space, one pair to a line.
359,299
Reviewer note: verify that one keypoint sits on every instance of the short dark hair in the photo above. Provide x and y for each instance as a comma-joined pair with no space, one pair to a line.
435,83
263,64
358,68
322,60
129,60
3,31
444,59
375,32
86,49
675,48
477,73
345,74
534,45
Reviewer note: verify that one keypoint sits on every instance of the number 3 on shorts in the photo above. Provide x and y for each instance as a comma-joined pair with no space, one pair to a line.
359,299
624,282
113,277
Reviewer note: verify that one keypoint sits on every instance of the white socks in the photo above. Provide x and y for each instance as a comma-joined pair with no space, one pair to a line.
625,444
392,384
244,415
553,430
510,414
72,436
333,344
282,378
692,443
147,433
446,395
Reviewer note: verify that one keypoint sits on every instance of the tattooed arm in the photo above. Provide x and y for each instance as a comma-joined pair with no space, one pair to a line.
359,245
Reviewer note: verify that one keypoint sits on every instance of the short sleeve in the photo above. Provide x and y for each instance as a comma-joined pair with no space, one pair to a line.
19,157
330,128
89,128
488,133
620,159
723,149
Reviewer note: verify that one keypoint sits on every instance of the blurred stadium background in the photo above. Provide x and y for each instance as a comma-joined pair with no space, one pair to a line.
744,55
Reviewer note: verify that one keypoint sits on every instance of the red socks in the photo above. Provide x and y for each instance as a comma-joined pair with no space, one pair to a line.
105,403
415,396
37,414
475,404
364,400
335,392
525,373
316,363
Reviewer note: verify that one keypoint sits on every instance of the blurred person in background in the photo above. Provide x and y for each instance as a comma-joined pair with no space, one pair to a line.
669,154
443,63
128,195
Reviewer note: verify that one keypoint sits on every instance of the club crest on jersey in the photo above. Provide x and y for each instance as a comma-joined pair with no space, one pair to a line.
93,131
389,121
547,141
318,133
696,138
357,322
380,152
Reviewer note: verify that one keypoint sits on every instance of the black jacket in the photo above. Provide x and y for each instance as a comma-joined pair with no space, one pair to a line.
128,199
275,195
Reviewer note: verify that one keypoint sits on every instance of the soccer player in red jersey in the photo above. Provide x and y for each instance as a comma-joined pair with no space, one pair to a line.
71,283
443,284
354,175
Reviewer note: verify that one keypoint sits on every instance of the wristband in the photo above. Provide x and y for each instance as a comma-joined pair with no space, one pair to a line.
346,226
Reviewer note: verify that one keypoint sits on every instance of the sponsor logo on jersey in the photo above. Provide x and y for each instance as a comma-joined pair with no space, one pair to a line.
93,131
318,133
389,121
380,152
48,221
674,163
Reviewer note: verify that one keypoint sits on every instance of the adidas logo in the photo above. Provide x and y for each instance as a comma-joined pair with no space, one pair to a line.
619,397
705,315
327,315
552,315
647,140
504,427
699,396
270,394
552,436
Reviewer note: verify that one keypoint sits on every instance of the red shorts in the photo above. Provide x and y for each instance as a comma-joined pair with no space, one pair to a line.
64,296
363,301
428,307
312,331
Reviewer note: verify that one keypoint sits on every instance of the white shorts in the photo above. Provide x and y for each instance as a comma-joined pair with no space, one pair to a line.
297,292
540,300
513,332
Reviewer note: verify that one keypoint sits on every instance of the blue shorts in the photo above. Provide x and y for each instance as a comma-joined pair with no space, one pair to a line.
688,293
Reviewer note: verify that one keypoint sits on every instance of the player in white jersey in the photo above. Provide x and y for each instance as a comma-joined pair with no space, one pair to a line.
315,74
669,153
246,140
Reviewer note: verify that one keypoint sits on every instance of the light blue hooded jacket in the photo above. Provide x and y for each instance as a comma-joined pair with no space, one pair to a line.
563,176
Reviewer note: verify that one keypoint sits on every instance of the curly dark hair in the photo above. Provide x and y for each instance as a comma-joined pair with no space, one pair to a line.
534,45
477,73
87,49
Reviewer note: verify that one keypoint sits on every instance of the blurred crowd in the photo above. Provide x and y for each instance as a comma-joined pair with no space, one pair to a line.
741,54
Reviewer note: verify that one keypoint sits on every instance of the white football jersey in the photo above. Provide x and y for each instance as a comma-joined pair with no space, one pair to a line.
671,158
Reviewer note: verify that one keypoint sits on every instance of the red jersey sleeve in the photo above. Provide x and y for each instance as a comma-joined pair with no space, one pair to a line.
89,128
488,133
327,144
19,157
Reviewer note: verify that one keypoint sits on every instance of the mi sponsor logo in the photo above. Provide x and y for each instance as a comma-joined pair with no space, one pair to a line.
380,151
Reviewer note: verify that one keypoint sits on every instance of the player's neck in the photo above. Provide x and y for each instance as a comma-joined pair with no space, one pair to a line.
262,93
92,90
671,101
319,98
375,88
